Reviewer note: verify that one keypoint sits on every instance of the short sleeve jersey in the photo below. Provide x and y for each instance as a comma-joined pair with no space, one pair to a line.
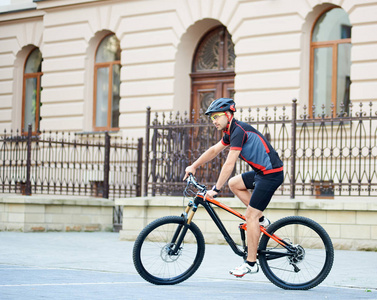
255,149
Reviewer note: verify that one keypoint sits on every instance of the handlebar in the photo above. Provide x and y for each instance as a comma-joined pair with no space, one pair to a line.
192,180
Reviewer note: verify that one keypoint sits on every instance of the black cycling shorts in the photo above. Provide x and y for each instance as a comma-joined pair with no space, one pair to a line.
263,186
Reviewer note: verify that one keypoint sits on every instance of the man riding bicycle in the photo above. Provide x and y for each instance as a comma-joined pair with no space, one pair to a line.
267,175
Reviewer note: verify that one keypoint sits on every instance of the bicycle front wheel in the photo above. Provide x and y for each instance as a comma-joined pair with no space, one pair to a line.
153,254
306,264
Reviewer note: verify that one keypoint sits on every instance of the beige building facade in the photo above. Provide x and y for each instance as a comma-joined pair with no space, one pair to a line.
55,69
158,40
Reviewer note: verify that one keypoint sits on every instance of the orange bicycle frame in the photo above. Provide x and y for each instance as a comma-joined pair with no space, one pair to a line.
206,203
239,215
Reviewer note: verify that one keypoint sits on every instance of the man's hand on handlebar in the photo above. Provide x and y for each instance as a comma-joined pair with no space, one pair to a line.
211,194
189,169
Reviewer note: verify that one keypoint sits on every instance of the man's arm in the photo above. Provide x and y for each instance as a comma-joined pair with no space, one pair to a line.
227,168
207,156
226,171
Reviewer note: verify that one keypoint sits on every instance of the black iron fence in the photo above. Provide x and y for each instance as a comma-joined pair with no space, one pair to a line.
70,164
324,156
62,163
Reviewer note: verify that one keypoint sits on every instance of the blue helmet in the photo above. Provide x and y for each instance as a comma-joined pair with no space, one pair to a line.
221,104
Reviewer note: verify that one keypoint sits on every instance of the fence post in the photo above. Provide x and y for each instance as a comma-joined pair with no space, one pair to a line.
146,166
106,169
153,171
293,150
139,166
28,161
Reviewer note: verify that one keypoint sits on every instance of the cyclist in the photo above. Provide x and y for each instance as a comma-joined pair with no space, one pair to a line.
267,175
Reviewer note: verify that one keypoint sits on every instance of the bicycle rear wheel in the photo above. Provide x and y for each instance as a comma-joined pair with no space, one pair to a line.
312,254
152,252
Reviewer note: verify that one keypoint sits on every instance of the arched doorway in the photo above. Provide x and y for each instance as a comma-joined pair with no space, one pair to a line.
212,77
212,74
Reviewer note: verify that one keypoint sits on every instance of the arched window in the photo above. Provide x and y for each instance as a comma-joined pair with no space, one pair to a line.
330,63
107,84
31,100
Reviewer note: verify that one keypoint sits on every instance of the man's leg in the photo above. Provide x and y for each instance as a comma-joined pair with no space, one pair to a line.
263,189
237,186
253,232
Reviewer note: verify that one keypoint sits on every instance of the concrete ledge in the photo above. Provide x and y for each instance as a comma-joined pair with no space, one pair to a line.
350,222
361,203
40,213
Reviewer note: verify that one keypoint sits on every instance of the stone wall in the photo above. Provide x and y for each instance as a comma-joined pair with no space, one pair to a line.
42,213
351,223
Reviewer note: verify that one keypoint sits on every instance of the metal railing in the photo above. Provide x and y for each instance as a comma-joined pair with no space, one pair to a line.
323,156
70,164
62,163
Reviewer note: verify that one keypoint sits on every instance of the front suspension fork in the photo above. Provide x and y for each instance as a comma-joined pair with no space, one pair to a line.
181,231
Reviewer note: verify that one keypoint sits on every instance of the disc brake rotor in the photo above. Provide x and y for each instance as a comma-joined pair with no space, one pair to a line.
165,256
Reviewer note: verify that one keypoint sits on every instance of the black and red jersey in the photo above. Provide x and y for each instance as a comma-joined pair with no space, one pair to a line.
254,147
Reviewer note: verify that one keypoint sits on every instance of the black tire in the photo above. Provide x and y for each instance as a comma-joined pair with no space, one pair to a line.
151,252
314,258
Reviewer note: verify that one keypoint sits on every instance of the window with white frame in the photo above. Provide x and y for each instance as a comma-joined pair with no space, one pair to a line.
330,64
31,99
107,84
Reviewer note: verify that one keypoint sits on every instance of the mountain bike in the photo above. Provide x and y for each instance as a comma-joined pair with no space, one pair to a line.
294,253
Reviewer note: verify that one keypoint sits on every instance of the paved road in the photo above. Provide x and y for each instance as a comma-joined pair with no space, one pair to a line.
99,266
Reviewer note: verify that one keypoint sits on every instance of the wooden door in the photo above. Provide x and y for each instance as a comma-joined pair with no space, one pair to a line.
204,92
212,77
212,74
